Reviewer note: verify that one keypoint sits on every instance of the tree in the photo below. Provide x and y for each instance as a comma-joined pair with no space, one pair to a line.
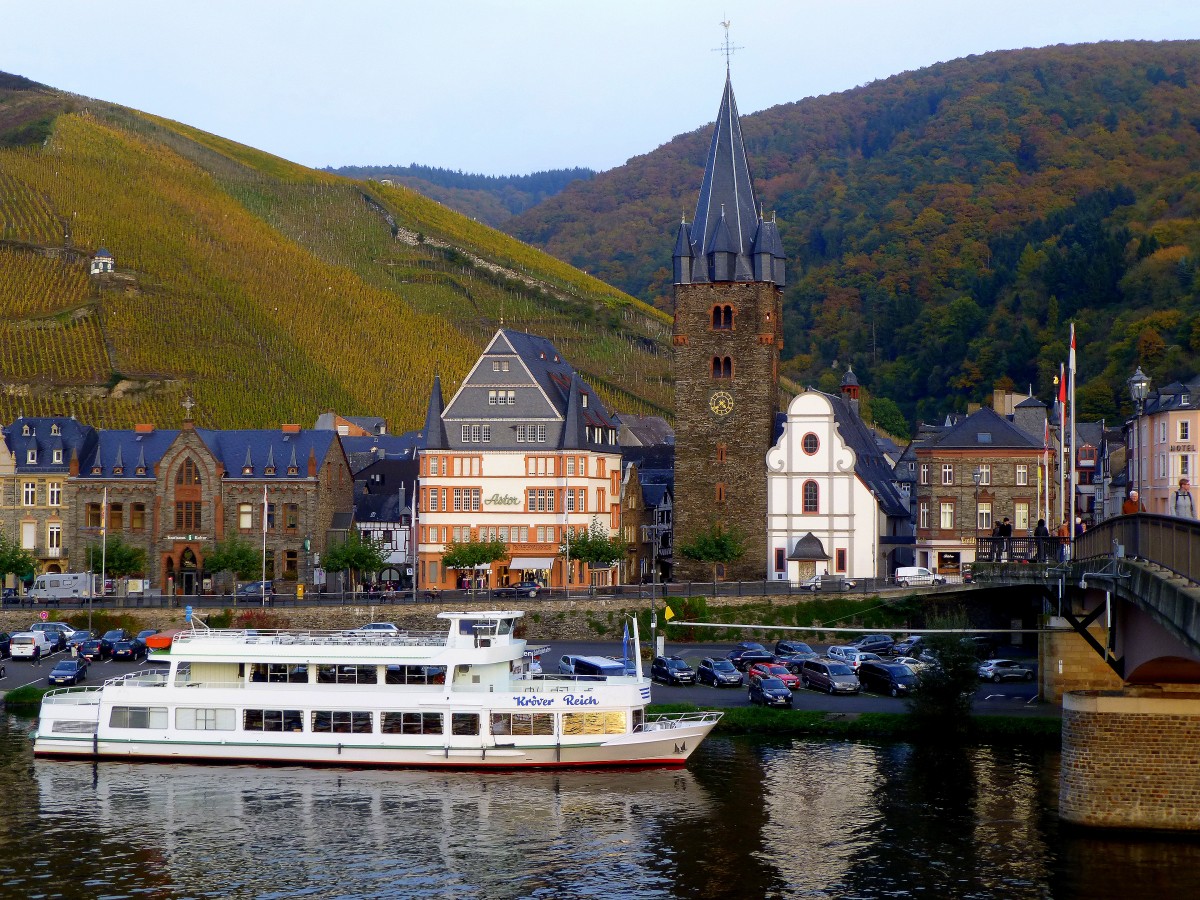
14,560
116,558
236,556
594,546
715,545
946,688
466,555
887,415
356,554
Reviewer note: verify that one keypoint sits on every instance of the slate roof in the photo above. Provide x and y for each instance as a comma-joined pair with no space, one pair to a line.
327,421
381,508
257,449
364,450
869,465
644,431
1089,433
809,547
73,436
388,476
985,429
133,449
1030,402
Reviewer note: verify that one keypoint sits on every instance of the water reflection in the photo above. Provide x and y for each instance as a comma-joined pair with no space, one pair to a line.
748,819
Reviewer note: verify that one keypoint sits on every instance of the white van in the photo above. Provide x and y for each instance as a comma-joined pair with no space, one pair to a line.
28,645
906,575
54,588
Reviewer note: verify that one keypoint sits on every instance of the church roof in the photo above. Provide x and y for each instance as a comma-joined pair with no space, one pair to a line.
726,182
809,547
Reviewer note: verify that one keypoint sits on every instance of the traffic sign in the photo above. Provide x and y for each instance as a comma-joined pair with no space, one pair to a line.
44,615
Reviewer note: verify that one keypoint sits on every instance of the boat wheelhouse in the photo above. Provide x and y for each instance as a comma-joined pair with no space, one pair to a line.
464,697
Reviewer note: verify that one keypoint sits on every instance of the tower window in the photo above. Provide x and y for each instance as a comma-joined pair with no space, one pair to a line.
810,444
721,453
722,318
722,367
720,492
812,497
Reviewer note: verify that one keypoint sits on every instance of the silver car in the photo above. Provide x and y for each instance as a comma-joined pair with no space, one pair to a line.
998,670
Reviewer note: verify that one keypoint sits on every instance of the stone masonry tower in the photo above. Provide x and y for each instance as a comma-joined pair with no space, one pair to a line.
727,336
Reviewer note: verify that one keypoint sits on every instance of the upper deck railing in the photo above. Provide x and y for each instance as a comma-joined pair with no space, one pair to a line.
344,638
1169,542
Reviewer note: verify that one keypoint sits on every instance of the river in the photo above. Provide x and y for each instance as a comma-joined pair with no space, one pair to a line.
746,819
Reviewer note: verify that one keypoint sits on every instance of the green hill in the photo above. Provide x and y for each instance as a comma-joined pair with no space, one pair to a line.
269,291
944,225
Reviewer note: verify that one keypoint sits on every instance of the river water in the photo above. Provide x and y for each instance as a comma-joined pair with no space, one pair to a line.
746,819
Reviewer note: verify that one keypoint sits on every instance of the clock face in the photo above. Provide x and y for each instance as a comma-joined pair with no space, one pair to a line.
721,402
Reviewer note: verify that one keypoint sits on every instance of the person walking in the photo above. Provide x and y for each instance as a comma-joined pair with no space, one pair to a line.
1041,534
1006,539
1132,505
1185,506
1064,540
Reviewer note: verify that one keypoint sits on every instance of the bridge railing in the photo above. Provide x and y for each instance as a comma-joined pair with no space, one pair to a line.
1167,541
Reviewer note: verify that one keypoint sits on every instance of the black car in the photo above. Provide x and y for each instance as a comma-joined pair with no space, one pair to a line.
886,678
68,671
718,673
747,653
96,649
78,639
116,634
793,653
4,644
142,635
874,643
909,646
521,589
672,670
770,692
132,649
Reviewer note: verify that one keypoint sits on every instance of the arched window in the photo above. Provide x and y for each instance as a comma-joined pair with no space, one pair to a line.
722,318
720,492
189,473
810,444
722,367
812,497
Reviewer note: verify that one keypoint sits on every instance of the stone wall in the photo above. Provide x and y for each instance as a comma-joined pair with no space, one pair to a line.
1131,759
1067,663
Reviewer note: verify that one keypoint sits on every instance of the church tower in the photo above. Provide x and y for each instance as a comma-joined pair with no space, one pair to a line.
728,271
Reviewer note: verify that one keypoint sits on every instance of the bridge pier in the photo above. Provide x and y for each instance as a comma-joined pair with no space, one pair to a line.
1131,757
1066,662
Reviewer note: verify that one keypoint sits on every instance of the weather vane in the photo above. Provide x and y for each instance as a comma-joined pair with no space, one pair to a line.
727,48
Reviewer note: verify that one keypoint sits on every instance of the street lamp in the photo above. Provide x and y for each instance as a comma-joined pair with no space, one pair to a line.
1139,389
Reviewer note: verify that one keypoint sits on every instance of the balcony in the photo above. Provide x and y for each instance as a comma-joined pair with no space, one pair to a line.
44,552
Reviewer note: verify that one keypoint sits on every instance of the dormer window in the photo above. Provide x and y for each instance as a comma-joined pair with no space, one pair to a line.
269,470
54,429
585,396
57,457
31,456
247,470
293,470
96,470
25,431
118,470
140,470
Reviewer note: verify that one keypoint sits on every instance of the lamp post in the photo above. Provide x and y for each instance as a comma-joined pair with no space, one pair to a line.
976,476
1139,389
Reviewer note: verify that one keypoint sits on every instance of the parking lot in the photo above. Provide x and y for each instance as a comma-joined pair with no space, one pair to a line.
22,672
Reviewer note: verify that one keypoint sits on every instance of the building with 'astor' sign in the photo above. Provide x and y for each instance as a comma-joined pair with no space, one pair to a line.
522,452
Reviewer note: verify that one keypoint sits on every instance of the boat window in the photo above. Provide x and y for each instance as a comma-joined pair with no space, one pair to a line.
410,723
639,719
279,673
341,722
523,723
504,626
138,717
464,723
272,720
416,675
593,723
189,719
347,674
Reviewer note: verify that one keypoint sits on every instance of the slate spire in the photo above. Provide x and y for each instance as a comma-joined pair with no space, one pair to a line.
435,430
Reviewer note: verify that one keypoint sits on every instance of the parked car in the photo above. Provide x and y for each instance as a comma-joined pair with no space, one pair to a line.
875,643
769,692
254,589
826,583
747,653
521,589
28,645
98,649
830,675
56,633
131,649
860,657
968,576
792,653
909,646
886,678
672,670
915,665
376,628
718,673
116,634
78,639
843,652
910,575
142,635
774,670
4,638
998,670
68,671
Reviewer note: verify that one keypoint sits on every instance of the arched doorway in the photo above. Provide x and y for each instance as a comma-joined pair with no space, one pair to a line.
54,569
189,571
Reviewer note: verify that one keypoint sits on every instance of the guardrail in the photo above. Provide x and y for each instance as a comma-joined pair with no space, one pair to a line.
1166,541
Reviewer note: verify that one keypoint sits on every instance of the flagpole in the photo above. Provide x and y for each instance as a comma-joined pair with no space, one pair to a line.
1071,458
263,584
103,541
1062,443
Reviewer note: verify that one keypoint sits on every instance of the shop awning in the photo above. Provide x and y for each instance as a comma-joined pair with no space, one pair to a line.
531,562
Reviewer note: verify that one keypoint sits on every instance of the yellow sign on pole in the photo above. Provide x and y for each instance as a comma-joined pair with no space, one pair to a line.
299,592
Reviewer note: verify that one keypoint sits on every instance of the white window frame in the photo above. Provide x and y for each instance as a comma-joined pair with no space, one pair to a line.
923,514
29,493
985,474
1185,429
983,516
1022,474
947,473
54,493
946,515
924,479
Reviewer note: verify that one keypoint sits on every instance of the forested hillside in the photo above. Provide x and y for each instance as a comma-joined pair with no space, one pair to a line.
944,226
268,291
492,199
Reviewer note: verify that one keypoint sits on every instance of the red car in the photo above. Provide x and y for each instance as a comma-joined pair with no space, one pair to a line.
774,670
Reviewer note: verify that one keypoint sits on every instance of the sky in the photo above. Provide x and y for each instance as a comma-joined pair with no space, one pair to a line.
512,86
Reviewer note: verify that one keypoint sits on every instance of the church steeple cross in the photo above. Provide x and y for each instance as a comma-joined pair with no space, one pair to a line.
187,404
727,48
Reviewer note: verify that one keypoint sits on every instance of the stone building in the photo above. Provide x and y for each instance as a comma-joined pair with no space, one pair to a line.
35,459
523,451
176,494
647,512
729,275
953,511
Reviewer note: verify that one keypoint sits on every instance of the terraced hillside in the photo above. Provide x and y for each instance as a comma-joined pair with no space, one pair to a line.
269,291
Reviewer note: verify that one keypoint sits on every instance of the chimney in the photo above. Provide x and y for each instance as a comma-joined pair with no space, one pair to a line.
73,468
290,428
312,462
143,428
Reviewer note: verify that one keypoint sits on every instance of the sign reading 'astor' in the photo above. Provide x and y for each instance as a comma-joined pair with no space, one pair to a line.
501,500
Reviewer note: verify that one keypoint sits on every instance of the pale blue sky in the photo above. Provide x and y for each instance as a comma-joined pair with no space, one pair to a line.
511,86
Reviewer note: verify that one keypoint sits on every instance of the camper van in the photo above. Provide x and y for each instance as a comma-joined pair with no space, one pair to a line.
55,588
906,575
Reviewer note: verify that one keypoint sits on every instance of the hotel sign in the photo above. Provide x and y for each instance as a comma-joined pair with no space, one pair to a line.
501,500
1183,448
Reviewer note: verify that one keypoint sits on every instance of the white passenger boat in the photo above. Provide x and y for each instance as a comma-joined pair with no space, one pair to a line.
460,698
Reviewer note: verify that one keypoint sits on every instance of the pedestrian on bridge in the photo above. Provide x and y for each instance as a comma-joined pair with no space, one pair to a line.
1132,505
1185,506
1042,535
